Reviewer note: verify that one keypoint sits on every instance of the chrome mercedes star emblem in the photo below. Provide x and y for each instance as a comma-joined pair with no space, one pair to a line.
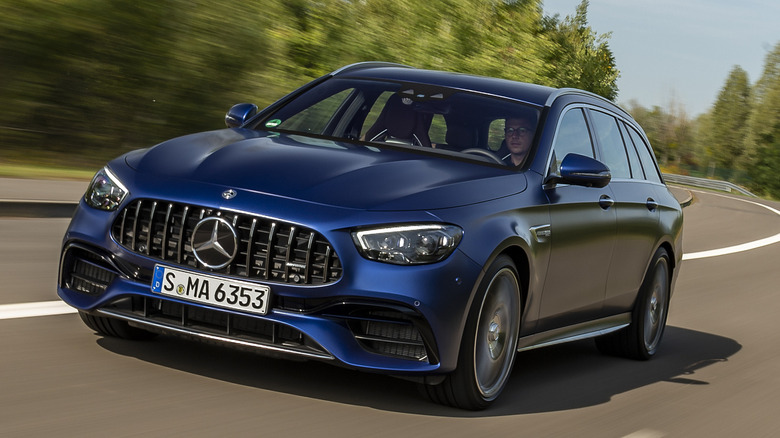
229,194
214,242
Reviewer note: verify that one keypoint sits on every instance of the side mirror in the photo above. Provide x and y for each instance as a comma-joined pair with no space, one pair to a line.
583,171
240,113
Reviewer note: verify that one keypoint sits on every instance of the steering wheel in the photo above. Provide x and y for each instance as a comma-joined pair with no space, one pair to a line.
484,153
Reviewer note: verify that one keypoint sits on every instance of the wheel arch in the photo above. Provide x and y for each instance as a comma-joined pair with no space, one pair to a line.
672,256
517,250
522,264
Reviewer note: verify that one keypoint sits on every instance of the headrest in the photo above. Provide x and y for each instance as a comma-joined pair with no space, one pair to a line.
399,118
460,136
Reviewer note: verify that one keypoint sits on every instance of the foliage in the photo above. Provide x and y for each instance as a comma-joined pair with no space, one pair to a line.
668,129
764,129
737,140
579,57
764,171
91,79
85,80
729,119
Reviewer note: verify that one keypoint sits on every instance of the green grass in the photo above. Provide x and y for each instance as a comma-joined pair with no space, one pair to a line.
36,171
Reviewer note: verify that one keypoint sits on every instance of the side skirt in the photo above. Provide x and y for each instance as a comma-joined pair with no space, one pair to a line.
586,330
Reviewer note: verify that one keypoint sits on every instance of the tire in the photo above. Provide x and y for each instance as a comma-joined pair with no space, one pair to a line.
114,328
489,343
640,340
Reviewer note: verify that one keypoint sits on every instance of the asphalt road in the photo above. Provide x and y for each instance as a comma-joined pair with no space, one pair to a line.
716,374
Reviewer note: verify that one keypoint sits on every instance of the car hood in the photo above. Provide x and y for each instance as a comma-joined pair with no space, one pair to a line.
342,174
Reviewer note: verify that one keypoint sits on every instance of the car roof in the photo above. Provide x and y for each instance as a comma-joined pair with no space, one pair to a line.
538,95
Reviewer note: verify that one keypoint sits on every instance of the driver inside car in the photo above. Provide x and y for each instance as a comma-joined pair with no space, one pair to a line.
518,135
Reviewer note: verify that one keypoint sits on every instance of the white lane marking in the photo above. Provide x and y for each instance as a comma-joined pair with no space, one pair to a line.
736,248
27,310
646,433
732,249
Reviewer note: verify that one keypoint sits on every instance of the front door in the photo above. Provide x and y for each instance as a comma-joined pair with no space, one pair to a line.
583,227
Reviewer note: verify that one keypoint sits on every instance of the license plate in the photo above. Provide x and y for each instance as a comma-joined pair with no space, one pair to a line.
208,289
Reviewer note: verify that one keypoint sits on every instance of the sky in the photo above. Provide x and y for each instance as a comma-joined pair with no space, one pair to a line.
680,52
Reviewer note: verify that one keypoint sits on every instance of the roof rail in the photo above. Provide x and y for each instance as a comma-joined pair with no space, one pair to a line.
564,91
367,64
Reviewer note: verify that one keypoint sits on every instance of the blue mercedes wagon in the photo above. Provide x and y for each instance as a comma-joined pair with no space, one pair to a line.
423,224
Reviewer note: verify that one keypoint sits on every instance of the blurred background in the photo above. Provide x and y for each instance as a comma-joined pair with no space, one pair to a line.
82,81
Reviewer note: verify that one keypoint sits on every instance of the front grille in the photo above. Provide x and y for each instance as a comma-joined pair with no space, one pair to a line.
269,250
204,324
86,272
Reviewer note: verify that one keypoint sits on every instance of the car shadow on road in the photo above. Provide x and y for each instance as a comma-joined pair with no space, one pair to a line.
558,378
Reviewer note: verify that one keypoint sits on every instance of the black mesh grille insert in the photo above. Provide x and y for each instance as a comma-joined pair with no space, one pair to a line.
86,272
389,333
268,250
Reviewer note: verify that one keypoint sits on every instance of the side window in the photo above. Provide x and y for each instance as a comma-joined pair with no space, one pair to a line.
645,156
572,137
633,158
613,152
316,117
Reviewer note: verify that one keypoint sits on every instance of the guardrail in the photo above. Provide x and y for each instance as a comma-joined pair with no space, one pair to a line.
723,186
45,209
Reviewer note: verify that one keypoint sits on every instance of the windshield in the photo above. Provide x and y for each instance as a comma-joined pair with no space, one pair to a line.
438,119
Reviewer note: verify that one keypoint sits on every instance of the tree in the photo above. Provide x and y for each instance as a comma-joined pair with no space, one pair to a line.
669,130
95,79
729,119
764,129
579,57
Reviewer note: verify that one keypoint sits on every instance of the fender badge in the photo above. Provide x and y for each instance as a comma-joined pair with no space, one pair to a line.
229,194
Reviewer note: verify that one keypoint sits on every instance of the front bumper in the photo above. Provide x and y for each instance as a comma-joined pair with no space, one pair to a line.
402,320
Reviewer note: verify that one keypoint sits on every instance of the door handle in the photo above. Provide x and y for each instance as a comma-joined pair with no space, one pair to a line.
605,202
651,204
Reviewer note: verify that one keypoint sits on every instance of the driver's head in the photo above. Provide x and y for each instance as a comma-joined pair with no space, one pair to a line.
518,133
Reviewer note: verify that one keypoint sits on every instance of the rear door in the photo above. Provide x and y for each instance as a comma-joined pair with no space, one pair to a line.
635,205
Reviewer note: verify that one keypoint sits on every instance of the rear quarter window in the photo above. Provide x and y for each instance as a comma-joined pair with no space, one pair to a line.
633,158
645,156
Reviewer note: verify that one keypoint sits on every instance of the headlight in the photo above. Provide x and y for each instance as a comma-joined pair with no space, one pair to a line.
408,245
105,192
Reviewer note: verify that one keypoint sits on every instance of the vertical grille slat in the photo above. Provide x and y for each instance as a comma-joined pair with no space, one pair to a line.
134,231
290,253
233,267
269,250
269,255
326,264
164,243
249,242
180,246
122,227
309,251
150,229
